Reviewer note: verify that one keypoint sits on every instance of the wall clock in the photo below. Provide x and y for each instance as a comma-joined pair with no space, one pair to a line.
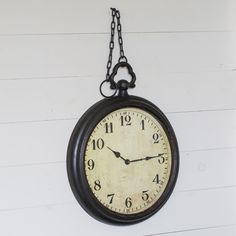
122,158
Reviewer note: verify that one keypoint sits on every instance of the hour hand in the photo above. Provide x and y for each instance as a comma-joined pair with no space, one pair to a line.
117,154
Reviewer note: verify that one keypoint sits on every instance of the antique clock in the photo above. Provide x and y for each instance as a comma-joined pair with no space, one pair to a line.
122,157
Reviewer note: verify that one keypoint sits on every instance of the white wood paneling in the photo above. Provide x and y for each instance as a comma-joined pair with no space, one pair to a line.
199,130
204,170
84,55
35,17
229,230
47,99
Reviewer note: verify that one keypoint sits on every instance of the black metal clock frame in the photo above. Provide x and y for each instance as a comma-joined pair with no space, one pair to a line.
76,164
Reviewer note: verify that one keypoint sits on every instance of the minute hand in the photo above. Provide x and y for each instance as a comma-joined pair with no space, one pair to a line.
147,158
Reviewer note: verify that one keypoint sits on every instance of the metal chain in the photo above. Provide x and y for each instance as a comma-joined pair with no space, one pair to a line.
115,14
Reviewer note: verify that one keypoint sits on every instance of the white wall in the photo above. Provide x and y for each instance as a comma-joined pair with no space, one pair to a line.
52,58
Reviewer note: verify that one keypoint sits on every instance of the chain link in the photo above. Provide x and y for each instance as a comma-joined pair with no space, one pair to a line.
115,14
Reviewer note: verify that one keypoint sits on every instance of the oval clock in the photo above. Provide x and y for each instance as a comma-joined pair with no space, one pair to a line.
122,160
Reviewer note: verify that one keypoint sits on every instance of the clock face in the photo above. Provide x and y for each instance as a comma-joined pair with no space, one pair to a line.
128,161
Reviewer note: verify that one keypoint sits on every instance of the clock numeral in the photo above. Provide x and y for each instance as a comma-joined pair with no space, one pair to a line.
142,125
97,185
161,160
109,127
90,164
156,137
125,120
128,202
98,144
156,179
145,195
111,196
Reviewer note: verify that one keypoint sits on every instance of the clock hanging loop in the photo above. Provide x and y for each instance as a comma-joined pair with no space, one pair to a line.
122,85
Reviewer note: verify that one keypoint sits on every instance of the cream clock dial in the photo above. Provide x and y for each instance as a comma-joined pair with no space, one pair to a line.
128,160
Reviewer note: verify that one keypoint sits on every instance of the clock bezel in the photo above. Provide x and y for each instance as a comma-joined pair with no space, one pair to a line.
76,152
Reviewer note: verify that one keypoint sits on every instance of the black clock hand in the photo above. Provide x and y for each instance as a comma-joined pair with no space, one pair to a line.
117,154
151,157
147,158
141,159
